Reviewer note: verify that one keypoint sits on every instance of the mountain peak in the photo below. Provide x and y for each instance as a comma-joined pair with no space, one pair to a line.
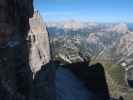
120,28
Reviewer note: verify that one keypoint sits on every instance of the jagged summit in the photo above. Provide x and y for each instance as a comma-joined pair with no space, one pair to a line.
39,42
71,24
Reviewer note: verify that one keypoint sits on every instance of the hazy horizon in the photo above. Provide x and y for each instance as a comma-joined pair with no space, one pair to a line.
86,21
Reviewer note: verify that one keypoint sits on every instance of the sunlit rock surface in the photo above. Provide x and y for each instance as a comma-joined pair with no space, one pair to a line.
39,43
120,28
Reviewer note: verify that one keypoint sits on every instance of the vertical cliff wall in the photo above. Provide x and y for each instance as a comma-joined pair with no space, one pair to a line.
15,73
39,43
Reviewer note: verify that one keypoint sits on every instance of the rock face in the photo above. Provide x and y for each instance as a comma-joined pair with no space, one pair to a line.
125,47
39,43
120,28
15,73
124,54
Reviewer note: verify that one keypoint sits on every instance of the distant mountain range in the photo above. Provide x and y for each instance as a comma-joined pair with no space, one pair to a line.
110,43
96,36
78,25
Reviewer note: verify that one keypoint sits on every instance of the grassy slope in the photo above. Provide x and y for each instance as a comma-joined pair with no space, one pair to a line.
115,78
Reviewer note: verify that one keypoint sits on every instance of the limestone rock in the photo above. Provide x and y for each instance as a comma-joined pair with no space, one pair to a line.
39,43
120,28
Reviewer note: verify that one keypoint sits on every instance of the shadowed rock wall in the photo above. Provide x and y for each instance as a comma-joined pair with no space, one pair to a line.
15,73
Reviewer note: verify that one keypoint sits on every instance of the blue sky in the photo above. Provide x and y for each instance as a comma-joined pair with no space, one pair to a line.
86,10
